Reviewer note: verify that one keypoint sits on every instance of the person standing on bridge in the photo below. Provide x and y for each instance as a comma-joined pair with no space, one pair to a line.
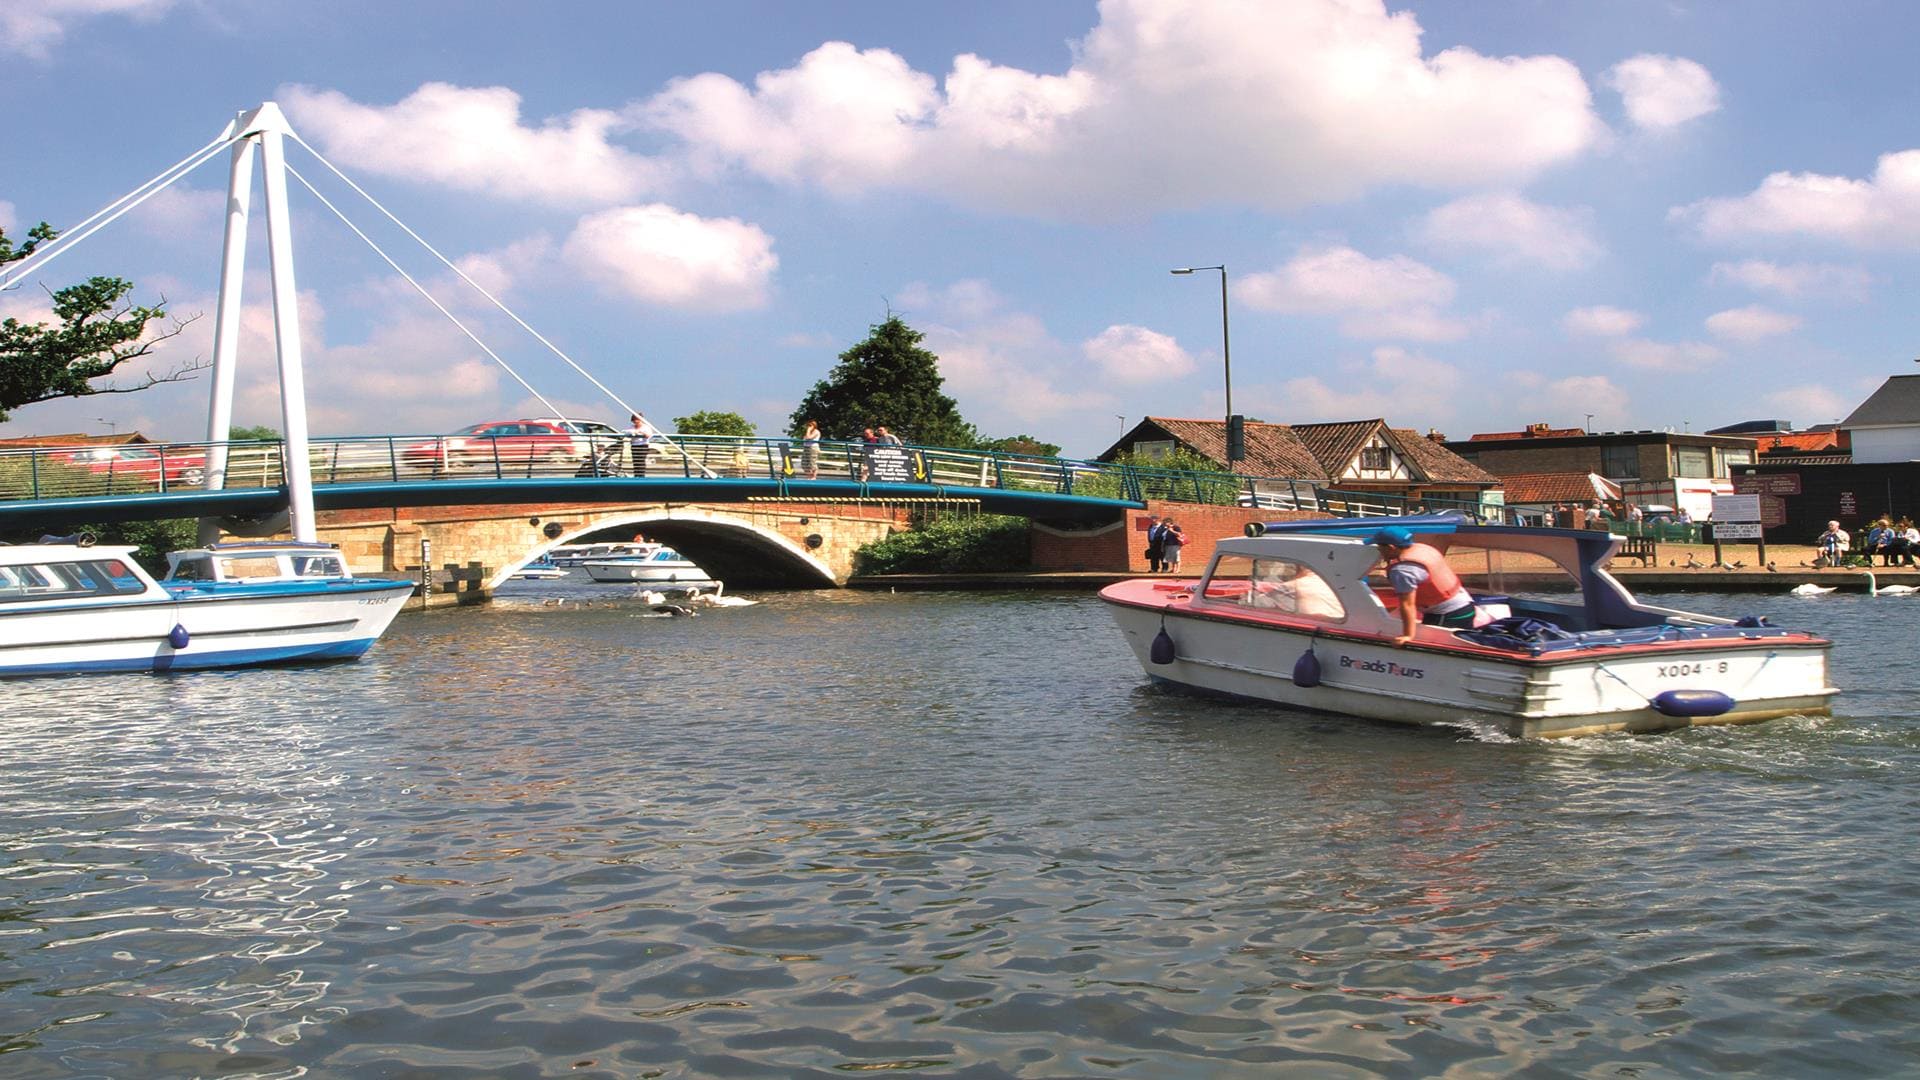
638,432
810,451
888,438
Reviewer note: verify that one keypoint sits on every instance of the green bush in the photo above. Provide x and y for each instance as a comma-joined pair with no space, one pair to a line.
979,544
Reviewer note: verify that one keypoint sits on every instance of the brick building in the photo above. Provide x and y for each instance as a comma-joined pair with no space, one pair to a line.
1651,467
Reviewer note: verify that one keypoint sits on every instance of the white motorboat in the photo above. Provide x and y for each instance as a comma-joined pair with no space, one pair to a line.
540,570
1288,614
72,607
661,564
577,554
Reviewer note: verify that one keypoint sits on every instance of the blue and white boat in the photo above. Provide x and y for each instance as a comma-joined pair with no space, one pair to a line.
72,608
655,564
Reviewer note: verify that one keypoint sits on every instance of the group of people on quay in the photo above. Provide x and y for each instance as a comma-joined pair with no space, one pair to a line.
1894,543
1165,538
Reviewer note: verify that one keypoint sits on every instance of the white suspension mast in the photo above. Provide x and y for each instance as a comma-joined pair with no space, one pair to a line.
226,319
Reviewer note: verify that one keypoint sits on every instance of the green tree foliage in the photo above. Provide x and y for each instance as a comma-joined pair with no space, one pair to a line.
714,423
887,380
259,433
978,544
1022,444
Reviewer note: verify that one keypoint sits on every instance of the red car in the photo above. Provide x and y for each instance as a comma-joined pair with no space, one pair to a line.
139,465
528,444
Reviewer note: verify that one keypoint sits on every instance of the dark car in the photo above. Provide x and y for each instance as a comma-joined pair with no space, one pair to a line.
527,444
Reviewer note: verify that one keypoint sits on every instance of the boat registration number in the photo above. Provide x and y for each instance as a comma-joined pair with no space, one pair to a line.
1677,671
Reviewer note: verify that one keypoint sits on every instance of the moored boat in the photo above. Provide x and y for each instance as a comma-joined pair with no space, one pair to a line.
1558,646
70,608
540,570
660,564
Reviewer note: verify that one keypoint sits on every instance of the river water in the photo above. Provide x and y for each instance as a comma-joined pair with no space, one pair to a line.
951,833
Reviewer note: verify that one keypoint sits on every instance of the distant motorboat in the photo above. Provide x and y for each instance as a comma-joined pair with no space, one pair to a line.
661,564
540,570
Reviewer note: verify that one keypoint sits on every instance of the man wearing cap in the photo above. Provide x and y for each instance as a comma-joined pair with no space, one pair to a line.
1156,547
1429,590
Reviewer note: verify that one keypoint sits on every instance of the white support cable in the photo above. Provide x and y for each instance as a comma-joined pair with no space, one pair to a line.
477,287
508,368
111,212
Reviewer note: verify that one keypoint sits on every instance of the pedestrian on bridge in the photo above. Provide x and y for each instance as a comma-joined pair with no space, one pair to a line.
638,432
810,451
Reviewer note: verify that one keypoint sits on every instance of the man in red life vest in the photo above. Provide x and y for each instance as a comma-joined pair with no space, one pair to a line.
1429,590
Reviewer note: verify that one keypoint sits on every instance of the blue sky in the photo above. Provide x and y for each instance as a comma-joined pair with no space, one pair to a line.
1465,217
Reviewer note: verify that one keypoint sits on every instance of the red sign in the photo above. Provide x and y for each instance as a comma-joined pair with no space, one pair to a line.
1767,483
1773,511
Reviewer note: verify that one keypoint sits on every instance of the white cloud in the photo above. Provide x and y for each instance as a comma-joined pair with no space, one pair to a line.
1601,321
1407,388
1662,92
1515,230
472,139
1349,103
34,27
1795,280
498,271
1002,366
843,118
664,256
1394,297
1135,354
1881,212
1811,403
1665,355
1751,323
1576,394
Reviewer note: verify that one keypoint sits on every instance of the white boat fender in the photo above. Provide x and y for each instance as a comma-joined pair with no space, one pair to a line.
1306,670
1162,650
1691,702
178,636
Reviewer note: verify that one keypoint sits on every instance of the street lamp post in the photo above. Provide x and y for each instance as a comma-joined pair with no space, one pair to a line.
1226,341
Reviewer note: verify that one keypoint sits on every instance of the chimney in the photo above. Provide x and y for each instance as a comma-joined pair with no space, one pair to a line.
1434,436
1534,431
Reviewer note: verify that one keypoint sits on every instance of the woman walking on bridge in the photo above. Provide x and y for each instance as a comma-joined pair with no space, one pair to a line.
810,451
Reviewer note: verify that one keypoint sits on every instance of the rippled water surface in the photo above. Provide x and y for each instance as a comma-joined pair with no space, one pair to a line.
945,832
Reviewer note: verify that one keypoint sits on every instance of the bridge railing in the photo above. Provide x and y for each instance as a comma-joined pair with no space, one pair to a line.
68,471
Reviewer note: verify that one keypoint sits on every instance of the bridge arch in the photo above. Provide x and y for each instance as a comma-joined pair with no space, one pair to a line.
739,552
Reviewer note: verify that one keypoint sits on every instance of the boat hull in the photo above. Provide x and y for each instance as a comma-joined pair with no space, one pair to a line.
668,573
1564,695
225,624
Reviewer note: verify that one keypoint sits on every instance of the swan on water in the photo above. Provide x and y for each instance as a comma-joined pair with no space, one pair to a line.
1810,589
1873,588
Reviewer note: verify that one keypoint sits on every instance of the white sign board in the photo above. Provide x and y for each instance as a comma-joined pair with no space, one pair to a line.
1736,530
1736,508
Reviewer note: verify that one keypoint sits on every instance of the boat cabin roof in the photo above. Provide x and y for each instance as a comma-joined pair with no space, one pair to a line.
1341,550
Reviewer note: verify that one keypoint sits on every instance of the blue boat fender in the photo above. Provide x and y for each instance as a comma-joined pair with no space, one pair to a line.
178,636
1162,650
1692,703
1306,670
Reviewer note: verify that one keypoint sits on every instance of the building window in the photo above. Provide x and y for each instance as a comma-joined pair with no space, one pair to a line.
1375,459
1733,459
1153,450
1620,462
1696,461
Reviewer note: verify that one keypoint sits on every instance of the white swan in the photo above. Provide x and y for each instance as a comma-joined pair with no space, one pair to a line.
1873,588
1810,589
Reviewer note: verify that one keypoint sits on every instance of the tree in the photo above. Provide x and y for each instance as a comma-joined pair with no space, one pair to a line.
99,331
1022,444
714,423
260,433
887,380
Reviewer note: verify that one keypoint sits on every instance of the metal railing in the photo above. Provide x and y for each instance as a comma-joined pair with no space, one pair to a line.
61,472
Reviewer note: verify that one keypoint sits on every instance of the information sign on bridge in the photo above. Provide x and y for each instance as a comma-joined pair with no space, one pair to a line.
894,465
